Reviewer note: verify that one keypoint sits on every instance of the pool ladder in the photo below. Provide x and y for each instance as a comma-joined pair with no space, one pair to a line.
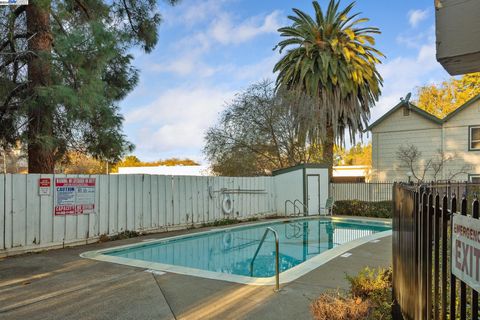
295,207
277,260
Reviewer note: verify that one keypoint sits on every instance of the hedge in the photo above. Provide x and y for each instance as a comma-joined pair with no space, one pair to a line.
380,209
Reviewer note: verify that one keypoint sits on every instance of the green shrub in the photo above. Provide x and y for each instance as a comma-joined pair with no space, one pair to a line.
380,209
369,298
374,286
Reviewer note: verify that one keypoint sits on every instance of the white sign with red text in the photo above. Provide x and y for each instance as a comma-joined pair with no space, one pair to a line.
44,185
466,250
74,196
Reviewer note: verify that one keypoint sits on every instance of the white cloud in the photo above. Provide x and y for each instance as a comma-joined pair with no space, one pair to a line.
403,74
177,120
417,16
220,32
196,12
225,32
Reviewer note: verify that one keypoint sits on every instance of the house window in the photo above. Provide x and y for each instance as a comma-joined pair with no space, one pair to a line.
474,138
475,178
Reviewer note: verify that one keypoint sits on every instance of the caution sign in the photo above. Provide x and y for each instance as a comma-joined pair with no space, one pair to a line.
74,196
466,250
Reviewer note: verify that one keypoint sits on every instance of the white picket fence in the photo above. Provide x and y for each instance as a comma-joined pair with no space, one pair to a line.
124,202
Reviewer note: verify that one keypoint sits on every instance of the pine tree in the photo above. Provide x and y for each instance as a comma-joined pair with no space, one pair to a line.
64,66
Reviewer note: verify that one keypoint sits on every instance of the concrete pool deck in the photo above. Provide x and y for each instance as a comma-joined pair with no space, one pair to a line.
58,284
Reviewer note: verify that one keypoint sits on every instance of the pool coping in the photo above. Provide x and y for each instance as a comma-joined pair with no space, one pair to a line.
285,277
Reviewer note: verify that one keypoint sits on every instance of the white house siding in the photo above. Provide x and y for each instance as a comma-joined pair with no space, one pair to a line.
451,137
456,140
398,130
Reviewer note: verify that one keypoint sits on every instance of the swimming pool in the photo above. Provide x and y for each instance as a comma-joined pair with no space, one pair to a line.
227,253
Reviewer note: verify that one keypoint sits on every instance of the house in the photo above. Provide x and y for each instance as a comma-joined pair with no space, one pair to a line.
350,174
455,138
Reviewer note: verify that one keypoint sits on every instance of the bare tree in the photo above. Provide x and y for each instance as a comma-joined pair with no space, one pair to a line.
261,130
410,157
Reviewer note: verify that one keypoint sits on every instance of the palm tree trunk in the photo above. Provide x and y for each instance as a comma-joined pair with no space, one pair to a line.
327,150
40,111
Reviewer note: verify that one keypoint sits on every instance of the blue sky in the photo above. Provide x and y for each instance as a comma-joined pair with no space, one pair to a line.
210,50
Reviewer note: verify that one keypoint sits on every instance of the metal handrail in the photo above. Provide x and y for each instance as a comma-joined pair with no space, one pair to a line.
293,204
304,206
277,262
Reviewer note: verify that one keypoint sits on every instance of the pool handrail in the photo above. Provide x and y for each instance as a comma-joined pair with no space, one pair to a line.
293,204
305,208
277,260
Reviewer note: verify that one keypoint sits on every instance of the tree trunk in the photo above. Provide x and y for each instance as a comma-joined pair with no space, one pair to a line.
327,150
40,111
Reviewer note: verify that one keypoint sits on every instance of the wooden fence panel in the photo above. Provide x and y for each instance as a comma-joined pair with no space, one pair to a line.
2,211
123,202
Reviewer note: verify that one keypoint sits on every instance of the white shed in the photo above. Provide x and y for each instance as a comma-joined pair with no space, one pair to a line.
306,185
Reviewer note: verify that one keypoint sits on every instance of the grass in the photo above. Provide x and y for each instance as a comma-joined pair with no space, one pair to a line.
227,221
127,234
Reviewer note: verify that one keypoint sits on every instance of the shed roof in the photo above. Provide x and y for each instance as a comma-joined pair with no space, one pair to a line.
299,167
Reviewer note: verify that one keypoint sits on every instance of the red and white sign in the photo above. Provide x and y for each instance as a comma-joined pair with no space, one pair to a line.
44,185
466,250
74,196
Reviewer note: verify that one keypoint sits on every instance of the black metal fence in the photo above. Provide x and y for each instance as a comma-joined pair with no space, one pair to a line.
364,191
423,284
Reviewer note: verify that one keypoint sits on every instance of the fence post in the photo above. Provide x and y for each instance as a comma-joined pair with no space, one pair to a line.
463,286
444,235
453,279
475,214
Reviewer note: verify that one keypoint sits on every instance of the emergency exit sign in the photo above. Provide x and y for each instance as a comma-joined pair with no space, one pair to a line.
466,250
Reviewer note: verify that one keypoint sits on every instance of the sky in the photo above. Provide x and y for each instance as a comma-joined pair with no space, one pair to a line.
209,50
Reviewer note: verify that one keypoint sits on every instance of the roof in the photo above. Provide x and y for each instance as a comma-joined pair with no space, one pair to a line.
425,114
299,167
461,108
350,171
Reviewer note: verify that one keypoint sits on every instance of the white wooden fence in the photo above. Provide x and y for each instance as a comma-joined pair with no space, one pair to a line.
123,202
371,191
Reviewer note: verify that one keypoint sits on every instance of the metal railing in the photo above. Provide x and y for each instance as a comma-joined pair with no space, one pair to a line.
293,204
368,191
277,260
424,286
305,208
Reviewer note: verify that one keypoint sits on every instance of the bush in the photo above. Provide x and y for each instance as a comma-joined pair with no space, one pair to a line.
335,306
380,209
369,297
374,286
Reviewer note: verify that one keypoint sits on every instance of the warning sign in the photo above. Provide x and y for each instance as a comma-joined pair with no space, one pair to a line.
44,185
74,196
466,250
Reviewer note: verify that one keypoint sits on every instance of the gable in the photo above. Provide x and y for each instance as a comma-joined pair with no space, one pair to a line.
467,114
397,120
412,110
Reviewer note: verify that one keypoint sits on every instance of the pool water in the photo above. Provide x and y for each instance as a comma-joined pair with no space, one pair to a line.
231,250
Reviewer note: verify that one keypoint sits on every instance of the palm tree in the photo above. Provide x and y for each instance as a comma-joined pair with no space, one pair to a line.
331,59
